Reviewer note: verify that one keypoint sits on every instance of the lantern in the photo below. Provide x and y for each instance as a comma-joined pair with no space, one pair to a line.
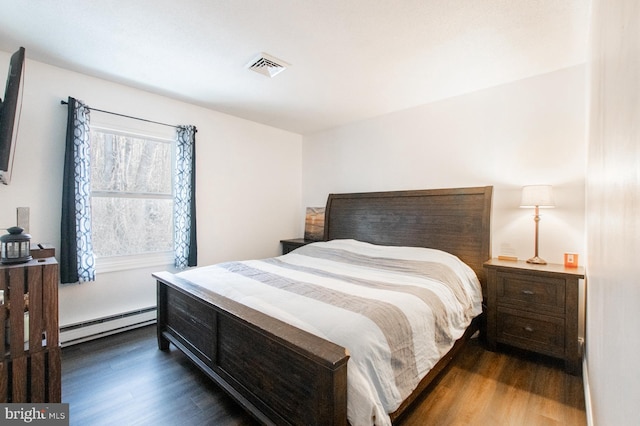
15,246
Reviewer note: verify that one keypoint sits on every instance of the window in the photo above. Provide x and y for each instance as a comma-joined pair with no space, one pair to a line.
133,193
131,199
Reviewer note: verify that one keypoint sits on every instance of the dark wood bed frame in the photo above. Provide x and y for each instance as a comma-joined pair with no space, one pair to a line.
283,375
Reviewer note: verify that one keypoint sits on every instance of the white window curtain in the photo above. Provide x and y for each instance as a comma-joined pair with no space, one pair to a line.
185,241
77,262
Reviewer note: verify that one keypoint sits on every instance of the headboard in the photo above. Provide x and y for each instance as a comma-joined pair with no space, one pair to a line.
455,220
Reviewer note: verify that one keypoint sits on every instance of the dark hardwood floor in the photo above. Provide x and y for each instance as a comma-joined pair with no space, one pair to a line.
125,380
510,387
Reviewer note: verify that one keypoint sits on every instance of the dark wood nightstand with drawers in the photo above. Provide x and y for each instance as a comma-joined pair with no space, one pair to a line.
534,307
290,245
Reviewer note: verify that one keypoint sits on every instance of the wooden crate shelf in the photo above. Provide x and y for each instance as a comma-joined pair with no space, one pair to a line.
30,367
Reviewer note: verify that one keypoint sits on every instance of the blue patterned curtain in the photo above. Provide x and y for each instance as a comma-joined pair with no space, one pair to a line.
77,263
185,242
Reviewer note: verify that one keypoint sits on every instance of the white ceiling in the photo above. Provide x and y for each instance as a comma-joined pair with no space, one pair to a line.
350,59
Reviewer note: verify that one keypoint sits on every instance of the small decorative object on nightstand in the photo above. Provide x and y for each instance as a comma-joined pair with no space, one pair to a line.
290,245
534,307
314,224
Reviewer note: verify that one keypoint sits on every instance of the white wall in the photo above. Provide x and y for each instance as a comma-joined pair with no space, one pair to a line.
613,214
248,181
527,132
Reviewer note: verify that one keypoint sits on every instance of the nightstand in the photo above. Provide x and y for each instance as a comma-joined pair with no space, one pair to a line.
290,245
534,307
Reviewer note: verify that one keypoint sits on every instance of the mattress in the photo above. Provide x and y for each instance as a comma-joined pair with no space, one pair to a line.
397,310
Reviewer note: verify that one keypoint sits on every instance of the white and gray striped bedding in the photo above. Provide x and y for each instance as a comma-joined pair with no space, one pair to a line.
396,309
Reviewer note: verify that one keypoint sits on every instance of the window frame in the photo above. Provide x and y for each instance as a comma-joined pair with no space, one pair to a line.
105,264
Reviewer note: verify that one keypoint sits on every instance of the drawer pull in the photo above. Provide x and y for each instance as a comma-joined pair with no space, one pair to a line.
528,329
528,292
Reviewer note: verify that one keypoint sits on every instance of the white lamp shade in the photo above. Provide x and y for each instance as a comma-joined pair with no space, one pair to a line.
537,196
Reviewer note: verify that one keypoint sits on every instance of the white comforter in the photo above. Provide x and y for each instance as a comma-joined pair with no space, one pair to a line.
396,309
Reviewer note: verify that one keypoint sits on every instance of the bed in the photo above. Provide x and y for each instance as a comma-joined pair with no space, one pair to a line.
283,373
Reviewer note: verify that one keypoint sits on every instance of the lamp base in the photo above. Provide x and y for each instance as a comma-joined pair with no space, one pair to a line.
536,260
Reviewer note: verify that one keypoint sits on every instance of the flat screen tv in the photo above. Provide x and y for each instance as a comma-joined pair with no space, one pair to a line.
10,115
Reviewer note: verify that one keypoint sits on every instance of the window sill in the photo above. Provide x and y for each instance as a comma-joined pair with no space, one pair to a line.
138,261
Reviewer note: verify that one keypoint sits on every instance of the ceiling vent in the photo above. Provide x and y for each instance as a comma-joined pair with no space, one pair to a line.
267,65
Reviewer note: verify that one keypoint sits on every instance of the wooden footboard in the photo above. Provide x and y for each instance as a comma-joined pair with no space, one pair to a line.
278,373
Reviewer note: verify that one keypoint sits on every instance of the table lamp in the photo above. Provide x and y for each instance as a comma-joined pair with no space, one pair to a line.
537,196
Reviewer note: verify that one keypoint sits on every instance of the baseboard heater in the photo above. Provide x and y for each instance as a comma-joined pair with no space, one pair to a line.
101,327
